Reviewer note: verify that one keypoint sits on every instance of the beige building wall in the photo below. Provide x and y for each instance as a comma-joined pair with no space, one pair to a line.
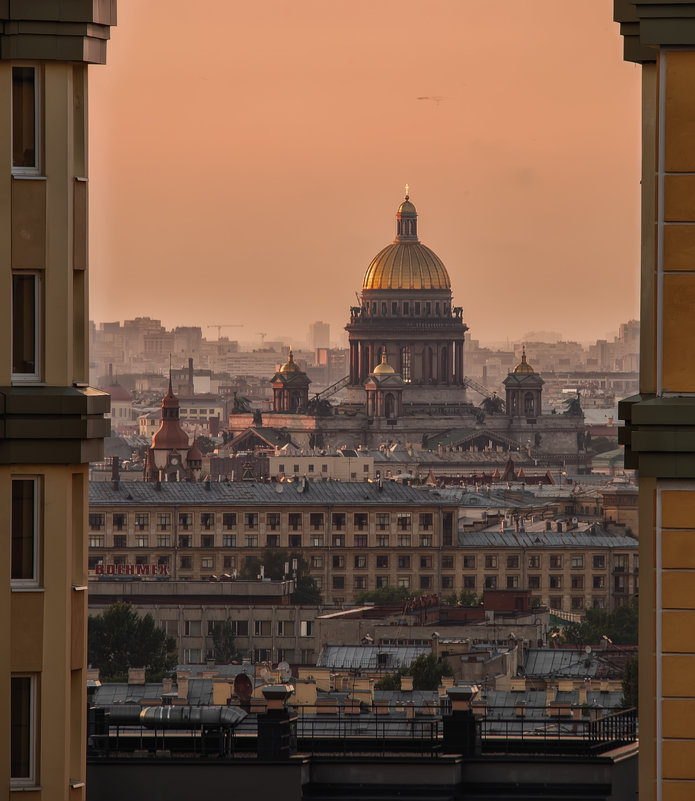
52,423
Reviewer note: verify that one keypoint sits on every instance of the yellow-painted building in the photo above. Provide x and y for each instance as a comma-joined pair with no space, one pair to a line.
51,423
660,422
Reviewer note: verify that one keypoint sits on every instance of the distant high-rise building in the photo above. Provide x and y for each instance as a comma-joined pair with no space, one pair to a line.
319,335
52,423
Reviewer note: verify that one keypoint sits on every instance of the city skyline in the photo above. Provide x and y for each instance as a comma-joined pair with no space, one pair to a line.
517,157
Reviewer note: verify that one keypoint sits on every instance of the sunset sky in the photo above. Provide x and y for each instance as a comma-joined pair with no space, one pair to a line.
247,162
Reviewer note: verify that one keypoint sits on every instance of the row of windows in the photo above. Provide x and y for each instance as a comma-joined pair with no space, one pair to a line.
555,561
241,628
407,309
311,468
295,520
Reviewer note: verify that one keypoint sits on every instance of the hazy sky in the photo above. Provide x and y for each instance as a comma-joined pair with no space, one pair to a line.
247,161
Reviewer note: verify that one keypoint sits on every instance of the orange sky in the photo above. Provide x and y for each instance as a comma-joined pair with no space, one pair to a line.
247,162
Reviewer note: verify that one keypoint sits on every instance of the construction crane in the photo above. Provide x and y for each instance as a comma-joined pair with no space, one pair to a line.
220,327
262,335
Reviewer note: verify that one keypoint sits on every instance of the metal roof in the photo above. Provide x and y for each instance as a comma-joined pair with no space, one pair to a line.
251,493
577,538
560,662
365,657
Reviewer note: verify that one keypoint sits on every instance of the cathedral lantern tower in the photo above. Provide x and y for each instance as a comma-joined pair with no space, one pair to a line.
524,388
384,389
290,388
406,307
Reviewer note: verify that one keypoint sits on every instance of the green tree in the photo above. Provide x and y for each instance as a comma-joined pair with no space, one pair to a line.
630,684
274,562
619,626
206,445
384,596
223,642
120,639
426,672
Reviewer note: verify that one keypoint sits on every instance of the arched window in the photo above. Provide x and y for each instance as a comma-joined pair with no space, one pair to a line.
529,404
389,406
405,363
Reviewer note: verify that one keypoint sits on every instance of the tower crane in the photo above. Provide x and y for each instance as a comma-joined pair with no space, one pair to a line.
262,335
220,327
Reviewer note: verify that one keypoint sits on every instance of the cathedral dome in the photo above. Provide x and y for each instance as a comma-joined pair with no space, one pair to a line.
407,263
383,368
290,365
523,366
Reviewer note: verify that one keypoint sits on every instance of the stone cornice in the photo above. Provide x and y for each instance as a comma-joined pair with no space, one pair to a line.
647,25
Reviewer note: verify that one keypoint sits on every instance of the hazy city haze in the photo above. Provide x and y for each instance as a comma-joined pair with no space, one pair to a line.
247,162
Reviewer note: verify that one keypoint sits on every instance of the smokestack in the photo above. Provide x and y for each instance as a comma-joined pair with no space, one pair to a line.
115,475
190,374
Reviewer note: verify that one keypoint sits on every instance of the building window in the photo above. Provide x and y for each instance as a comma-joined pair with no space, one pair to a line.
207,520
261,628
620,563
286,628
295,540
534,561
96,521
25,120
96,540
120,541
490,582
599,582
360,582
228,562
119,522
490,562
360,561
577,602
25,531
404,562
192,628
512,563
339,562
403,521
447,582
163,541
382,561
306,628
252,540
294,521
512,582
338,582
316,521
425,582
23,743
555,602
338,540
382,540
185,521
598,602
207,540
317,540
186,563
229,540
577,582
404,540
555,582
207,562
163,521
229,520
360,540
338,521
425,540
555,561
93,561
316,562
577,562
405,363
141,540
251,520
361,520
599,562
142,521
469,562
534,582
382,581
383,521
426,562
272,520
469,582
447,562
426,521
192,656
272,540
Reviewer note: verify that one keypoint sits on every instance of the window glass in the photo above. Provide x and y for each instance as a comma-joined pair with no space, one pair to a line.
25,332
24,108
24,530
22,725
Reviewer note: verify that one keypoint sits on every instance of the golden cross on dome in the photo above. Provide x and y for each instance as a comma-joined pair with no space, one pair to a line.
407,191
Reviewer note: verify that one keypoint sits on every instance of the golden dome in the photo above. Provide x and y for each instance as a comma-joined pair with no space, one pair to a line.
406,265
384,368
407,207
523,366
290,366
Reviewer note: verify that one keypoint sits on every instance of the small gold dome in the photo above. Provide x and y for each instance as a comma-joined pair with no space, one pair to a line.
384,368
290,366
523,366
407,207
406,265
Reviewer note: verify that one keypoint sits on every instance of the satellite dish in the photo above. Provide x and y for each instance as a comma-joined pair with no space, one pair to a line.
587,650
284,668
279,489
574,521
